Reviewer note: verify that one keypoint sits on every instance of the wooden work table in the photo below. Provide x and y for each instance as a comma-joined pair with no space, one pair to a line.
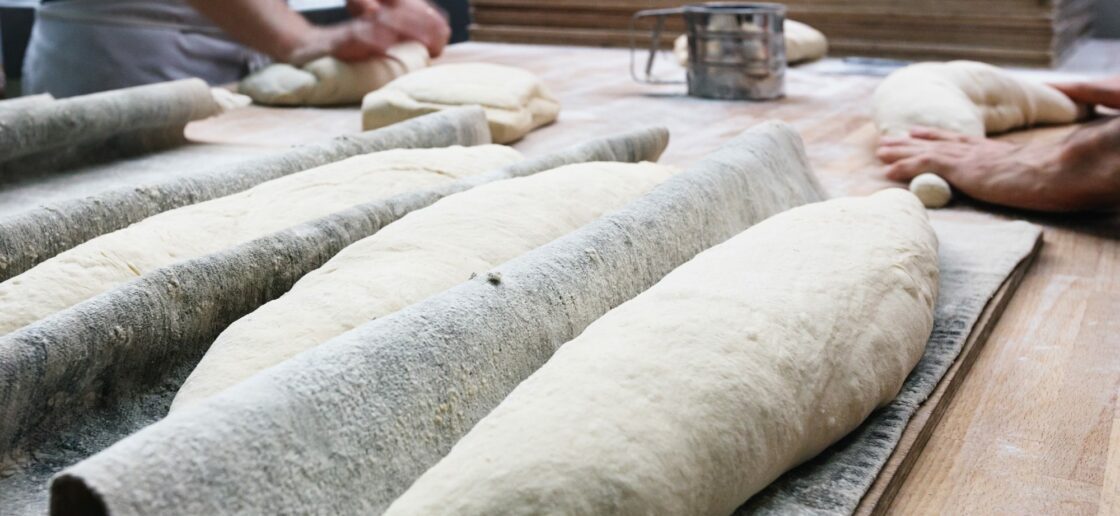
1035,426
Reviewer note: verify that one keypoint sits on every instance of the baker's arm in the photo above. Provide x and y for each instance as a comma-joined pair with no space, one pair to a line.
273,28
1080,173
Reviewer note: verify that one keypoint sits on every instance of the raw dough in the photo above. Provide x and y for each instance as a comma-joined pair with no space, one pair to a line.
742,363
328,81
803,43
931,189
427,251
191,231
228,100
515,100
965,97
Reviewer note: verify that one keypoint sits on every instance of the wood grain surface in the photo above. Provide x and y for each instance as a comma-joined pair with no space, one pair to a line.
1034,428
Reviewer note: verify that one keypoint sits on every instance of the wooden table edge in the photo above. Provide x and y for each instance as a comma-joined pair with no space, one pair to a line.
881,494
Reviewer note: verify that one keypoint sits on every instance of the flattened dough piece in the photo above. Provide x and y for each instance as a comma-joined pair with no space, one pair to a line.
515,100
966,97
191,231
328,81
740,364
803,43
426,252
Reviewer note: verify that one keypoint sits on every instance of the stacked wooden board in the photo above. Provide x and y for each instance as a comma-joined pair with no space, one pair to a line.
1026,32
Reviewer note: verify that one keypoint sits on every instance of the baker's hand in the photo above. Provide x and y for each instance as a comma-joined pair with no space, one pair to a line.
416,20
360,39
1105,92
362,8
1036,177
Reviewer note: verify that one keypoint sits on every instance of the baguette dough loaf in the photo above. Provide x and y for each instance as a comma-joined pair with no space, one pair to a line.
803,43
740,364
191,231
966,97
515,100
328,81
425,252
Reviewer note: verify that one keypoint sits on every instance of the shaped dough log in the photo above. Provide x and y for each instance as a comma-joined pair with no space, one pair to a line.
966,97
115,258
425,252
40,233
515,100
116,350
348,425
803,43
744,362
328,81
54,134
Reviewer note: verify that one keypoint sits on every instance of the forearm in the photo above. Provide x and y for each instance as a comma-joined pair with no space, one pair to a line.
268,26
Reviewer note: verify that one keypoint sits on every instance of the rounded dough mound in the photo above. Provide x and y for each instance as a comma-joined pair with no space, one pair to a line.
803,43
328,81
966,97
931,189
747,360
515,100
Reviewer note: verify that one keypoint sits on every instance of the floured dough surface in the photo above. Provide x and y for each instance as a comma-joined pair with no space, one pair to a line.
515,100
425,252
965,97
191,231
328,81
740,364
803,43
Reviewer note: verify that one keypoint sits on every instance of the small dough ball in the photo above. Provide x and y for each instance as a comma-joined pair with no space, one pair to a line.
933,191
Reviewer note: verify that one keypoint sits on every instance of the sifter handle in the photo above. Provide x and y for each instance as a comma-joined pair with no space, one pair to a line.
654,44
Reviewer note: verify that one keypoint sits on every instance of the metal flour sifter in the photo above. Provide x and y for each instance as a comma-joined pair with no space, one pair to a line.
736,51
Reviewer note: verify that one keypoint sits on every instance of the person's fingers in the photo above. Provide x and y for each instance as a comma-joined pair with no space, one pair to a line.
420,21
906,169
364,39
931,133
1105,92
362,8
890,141
891,154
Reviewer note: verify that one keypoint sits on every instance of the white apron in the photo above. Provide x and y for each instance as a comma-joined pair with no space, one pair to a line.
85,46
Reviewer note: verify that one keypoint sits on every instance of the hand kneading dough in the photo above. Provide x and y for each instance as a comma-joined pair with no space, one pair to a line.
742,363
965,97
199,229
803,43
427,251
328,81
515,100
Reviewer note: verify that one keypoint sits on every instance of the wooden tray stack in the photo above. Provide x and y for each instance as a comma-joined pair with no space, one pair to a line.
1024,32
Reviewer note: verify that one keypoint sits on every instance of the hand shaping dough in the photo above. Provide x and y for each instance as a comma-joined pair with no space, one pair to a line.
328,81
427,251
965,97
740,364
803,43
515,100
191,231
